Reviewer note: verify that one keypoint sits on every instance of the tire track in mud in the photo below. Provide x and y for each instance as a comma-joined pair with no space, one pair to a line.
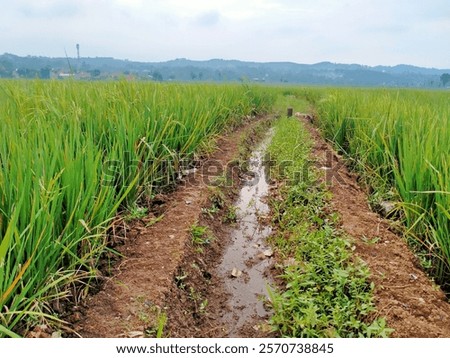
228,279
246,260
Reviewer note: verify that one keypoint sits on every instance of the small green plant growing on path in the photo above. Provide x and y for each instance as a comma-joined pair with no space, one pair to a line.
136,212
200,234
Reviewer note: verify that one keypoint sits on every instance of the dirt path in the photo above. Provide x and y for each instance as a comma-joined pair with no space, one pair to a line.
223,286
404,294
131,299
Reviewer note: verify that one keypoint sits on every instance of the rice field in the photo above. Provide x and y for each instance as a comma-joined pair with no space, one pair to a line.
400,141
76,155
73,156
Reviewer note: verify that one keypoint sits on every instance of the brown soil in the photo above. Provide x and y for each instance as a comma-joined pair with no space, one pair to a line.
151,278
409,300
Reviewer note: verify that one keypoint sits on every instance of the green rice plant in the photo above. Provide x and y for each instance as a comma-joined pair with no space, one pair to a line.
399,140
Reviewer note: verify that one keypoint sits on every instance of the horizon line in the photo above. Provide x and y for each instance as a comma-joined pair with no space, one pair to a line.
230,60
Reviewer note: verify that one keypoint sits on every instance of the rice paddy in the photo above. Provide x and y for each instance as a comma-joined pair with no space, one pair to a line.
400,141
76,155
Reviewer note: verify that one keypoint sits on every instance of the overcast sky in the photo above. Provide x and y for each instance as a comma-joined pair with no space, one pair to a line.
369,32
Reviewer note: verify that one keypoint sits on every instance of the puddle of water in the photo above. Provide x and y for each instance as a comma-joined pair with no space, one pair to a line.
247,251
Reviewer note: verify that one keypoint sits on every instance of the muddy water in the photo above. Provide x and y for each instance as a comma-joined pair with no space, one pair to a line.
248,256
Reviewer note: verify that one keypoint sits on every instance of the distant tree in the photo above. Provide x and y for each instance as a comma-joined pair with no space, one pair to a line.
45,73
27,73
157,76
445,78
6,69
95,73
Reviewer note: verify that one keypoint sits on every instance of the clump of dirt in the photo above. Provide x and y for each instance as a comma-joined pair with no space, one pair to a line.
409,300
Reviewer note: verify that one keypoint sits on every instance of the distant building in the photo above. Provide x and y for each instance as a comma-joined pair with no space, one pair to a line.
65,75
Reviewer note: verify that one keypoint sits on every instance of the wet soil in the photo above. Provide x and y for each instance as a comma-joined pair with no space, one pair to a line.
247,258
409,300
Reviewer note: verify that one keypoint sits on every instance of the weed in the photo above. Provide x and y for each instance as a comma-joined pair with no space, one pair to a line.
370,241
231,214
154,220
203,305
136,212
217,200
217,197
200,235
199,302
211,211
180,280
156,330
221,181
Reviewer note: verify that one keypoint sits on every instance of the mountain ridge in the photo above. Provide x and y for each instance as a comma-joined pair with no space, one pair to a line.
219,70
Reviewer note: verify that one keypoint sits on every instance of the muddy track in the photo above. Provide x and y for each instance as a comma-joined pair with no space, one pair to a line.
223,289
